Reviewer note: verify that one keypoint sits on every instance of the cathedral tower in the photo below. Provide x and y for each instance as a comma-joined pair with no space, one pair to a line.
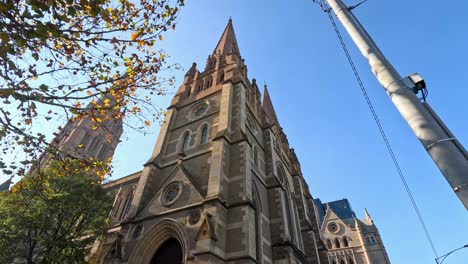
79,139
222,184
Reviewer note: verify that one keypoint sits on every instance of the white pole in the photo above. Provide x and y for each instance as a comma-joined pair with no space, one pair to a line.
437,140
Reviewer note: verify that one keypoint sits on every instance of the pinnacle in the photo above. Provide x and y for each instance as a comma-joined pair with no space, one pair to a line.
268,105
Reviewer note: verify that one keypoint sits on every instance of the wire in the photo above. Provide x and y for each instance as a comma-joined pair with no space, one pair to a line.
379,125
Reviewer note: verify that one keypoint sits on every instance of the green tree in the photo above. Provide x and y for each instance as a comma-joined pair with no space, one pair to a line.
52,216
59,58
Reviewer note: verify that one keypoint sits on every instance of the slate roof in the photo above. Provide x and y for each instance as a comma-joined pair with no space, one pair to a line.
342,209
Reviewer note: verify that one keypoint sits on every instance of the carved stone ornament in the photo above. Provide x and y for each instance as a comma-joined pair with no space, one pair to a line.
199,110
194,216
138,230
171,193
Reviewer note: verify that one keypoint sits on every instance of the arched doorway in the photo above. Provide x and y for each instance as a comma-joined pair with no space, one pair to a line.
169,252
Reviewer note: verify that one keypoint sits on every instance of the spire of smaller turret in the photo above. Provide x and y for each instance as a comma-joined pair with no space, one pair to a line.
368,217
268,106
192,70
228,42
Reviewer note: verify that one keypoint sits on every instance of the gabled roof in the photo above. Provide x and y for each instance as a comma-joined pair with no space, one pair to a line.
342,208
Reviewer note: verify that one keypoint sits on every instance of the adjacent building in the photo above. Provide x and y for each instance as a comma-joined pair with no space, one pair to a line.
349,240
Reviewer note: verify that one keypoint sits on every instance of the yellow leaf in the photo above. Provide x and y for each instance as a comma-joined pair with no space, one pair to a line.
148,123
160,37
134,35
89,92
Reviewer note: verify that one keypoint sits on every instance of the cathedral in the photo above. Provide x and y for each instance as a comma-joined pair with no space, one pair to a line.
222,184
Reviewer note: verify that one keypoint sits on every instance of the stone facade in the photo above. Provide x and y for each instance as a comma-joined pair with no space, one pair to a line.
349,240
222,184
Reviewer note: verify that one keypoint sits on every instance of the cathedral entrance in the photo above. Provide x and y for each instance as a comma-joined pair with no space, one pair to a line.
170,252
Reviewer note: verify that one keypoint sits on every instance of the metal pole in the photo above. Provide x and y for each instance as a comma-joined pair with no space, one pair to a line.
443,148
443,257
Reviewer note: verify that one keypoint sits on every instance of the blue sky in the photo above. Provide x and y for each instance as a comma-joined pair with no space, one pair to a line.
292,47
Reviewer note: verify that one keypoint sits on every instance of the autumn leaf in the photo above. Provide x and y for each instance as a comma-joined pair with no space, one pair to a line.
148,123
84,52
134,35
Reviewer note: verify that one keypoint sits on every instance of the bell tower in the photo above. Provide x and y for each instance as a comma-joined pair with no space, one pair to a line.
80,138
222,182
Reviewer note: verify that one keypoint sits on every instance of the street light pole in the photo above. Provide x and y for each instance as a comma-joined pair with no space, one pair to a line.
443,257
445,150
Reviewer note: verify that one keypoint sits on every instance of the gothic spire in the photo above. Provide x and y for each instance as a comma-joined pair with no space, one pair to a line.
228,42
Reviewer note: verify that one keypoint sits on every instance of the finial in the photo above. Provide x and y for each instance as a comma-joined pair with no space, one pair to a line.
230,19
368,217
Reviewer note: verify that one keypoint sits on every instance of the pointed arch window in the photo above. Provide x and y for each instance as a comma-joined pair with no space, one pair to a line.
329,244
221,78
209,82
258,223
350,261
124,204
200,87
85,140
126,208
204,134
345,242
93,144
185,141
342,262
189,91
255,155
337,243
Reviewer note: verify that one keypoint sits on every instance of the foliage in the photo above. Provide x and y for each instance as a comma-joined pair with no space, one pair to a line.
50,217
78,58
